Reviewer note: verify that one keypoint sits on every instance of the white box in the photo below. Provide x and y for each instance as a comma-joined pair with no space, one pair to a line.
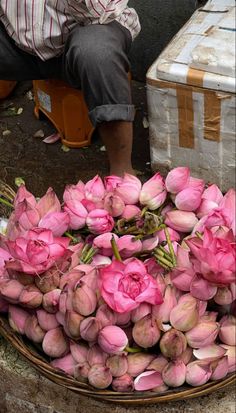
191,97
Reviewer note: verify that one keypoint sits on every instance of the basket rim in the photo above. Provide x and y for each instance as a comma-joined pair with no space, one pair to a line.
29,352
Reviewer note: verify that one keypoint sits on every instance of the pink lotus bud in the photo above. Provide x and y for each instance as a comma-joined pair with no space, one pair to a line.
79,352
70,278
99,221
118,365
146,332
173,343
131,211
153,193
122,319
203,334
184,316
220,368
51,301
66,364
205,207
124,384
31,297
223,296
198,372
114,204
148,381
17,318
158,364
84,299
74,192
60,318
106,316
111,182
213,350
213,193
202,289
83,371
227,332
231,354
96,356
188,199
186,356
112,339
48,281
33,330
48,203
129,189
91,278
174,235
141,311
77,213
99,376
150,243
94,189
209,316
72,324
182,221
46,320
11,290
55,343
162,311
127,246
138,362
103,242
177,179
89,328
174,373
100,261
57,222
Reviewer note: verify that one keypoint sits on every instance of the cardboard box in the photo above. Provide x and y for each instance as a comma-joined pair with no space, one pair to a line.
191,97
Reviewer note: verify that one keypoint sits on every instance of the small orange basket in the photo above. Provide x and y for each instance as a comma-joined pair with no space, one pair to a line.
66,109
6,87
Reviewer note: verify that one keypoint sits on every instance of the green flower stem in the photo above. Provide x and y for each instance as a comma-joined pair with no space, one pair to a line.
144,210
89,256
4,202
163,254
159,228
171,249
68,235
163,260
198,234
115,249
133,349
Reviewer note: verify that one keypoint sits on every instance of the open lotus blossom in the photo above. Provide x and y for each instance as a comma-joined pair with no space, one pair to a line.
124,287
37,252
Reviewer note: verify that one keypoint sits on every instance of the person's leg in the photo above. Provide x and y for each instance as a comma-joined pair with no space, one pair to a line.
95,60
15,64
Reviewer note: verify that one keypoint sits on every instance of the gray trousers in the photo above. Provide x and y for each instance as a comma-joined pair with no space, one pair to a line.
94,60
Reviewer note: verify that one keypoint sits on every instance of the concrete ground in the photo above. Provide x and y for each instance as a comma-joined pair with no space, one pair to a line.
42,165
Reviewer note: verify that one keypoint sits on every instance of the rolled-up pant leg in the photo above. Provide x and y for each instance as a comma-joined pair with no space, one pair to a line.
95,60
15,64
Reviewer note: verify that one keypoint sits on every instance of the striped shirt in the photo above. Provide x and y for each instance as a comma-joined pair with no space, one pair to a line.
41,26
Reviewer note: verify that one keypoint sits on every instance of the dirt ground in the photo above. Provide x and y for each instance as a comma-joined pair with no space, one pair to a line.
42,165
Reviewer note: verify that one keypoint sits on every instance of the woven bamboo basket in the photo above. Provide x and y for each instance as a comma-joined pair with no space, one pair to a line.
40,363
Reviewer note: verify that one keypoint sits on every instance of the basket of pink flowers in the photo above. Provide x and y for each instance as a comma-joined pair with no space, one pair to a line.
124,291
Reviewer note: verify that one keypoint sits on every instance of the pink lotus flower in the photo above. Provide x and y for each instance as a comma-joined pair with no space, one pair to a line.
129,189
111,182
127,246
94,189
177,179
215,258
4,256
211,198
112,339
103,243
57,222
131,211
183,274
217,217
124,287
153,193
183,221
114,204
188,199
37,252
99,221
74,192
77,213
